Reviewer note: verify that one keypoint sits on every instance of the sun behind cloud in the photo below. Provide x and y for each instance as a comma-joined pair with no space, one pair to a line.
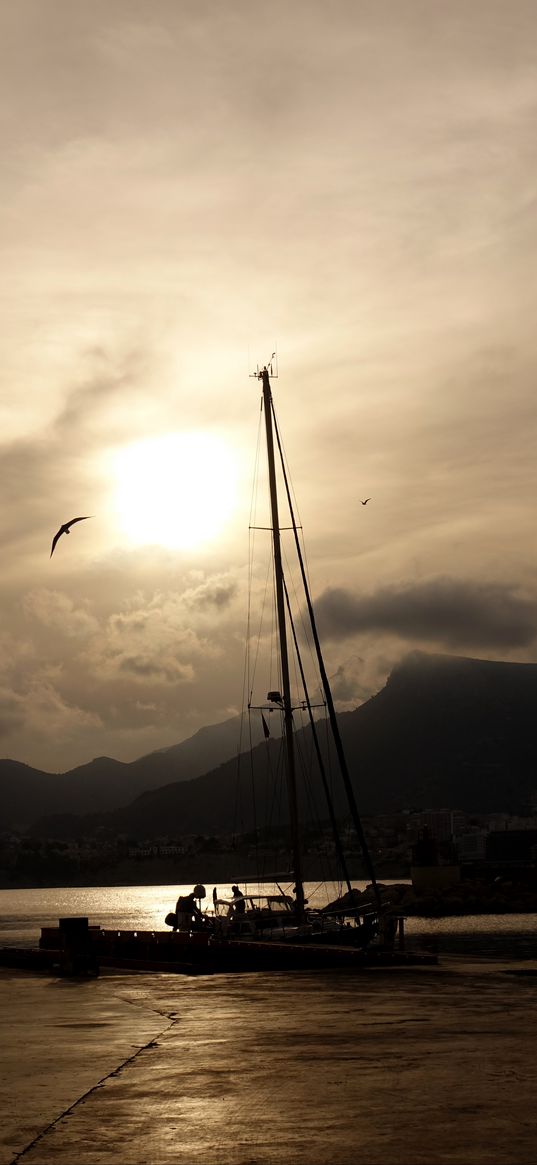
176,490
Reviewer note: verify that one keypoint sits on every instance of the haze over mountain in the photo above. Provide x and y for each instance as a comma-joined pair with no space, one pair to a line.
104,783
444,731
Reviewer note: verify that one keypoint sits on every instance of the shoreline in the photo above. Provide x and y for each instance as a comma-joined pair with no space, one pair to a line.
204,868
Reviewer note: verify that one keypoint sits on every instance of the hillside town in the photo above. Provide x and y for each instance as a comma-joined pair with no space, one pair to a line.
437,851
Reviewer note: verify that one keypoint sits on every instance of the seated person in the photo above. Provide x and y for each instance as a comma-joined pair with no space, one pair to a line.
236,908
188,913
238,905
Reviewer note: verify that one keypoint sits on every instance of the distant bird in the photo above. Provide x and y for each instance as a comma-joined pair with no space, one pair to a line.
366,501
65,529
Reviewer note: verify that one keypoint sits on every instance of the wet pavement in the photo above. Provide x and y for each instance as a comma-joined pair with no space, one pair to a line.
408,1067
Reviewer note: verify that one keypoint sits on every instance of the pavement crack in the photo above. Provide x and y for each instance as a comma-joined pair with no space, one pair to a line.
152,1043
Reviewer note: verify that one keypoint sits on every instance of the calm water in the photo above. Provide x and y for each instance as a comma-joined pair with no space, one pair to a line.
24,912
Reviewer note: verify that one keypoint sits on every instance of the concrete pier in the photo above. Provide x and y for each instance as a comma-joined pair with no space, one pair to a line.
416,1066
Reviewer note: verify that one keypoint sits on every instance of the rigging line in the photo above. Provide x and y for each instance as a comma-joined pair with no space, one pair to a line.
294,660
275,785
251,538
275,652
333,822
247,649
328,872
285,464
268,754
328,694
260,630
306,630
241,721
328,753
254,806
314,818
305,625
286,694
245,687
296,525
254,799
238,780
319,886
240,756
275,790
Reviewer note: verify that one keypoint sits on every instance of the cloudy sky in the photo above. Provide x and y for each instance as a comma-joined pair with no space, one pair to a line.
186,185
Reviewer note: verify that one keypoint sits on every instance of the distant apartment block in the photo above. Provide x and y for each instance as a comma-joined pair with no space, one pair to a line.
442,824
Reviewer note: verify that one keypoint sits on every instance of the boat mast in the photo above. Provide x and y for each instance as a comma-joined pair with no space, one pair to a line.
284,656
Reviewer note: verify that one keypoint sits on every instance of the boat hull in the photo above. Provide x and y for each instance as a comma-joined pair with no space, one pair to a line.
198,953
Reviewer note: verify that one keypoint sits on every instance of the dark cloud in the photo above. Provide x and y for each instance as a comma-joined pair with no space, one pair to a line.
442,610
145,667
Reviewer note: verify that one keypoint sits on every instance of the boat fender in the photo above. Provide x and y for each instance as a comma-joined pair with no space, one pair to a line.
171,919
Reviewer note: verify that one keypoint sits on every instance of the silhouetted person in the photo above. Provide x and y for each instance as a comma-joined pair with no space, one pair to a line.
238,906
188,913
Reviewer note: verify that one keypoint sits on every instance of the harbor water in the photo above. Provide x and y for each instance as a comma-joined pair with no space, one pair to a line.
143,908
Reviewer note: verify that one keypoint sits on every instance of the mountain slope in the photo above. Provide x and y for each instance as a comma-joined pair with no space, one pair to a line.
105,784
447,731
444,731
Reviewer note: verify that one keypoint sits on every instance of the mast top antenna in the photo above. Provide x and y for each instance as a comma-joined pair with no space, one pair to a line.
271,367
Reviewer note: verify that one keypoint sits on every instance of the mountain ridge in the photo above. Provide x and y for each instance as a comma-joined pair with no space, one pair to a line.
443,731
104,783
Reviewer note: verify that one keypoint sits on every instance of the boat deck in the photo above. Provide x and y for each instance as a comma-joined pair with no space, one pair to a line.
194,953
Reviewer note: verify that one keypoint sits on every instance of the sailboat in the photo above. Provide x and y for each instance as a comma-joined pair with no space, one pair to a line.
278,930
279,914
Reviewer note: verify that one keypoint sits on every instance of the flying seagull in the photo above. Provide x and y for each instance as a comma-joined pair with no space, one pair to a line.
65,529
366,501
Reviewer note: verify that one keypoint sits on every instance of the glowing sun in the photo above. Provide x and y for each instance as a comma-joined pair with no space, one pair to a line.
176,490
